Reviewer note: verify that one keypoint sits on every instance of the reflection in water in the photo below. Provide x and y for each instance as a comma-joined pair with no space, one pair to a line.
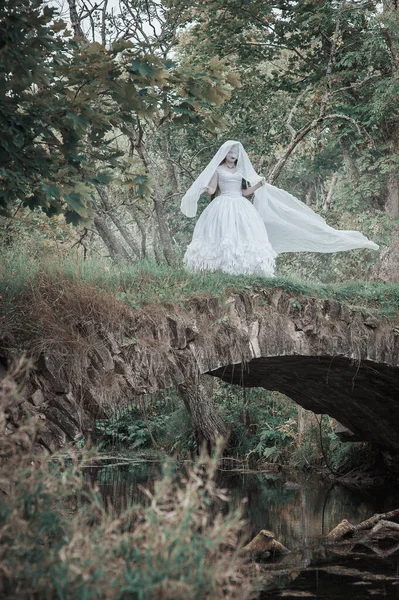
357,577
120,485
309,512
298,518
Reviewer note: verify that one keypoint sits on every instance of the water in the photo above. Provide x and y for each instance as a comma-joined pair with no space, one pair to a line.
299,518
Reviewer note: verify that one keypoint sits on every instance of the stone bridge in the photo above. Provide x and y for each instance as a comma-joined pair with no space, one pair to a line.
329,357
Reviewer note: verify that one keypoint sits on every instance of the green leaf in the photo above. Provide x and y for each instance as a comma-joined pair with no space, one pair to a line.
51,210
76,202
141,178
51,191
102,178
78,121
71,217
142,67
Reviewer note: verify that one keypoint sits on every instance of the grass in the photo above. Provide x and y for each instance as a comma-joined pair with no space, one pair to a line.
146,283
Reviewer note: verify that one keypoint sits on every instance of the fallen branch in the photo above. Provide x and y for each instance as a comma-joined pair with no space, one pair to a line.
346,528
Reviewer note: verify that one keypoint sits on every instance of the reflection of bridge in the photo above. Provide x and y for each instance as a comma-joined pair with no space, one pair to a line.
328,357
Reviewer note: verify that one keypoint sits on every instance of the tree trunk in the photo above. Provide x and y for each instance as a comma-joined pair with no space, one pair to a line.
304,423
121,227
278,167
75,19
391,10
392,203
349,162
164,233
330,193
389,265
136,140
309,194
387,269
198,399
142,228
116,250
158,258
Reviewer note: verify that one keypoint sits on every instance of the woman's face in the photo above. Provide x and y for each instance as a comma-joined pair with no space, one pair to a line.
232,154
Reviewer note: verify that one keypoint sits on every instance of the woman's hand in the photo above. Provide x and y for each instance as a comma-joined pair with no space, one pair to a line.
253,188
212,185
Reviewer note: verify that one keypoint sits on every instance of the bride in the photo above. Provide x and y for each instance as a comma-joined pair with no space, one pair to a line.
234,236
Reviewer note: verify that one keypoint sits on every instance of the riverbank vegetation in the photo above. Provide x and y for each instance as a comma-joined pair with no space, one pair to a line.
267,432
59,538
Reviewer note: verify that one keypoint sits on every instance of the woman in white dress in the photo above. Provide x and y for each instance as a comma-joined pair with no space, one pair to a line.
230,234
234,236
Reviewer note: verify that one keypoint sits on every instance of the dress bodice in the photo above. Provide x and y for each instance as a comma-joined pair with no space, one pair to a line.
229,183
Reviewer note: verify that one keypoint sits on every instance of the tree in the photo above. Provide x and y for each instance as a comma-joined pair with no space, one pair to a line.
199,401
65,100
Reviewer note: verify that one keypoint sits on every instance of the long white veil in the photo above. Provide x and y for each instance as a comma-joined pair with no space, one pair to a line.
294,227
291,225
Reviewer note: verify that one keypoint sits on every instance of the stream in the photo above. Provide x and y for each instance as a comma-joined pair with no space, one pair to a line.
299,515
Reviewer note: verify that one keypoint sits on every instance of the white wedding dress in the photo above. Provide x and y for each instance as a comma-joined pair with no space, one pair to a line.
230,234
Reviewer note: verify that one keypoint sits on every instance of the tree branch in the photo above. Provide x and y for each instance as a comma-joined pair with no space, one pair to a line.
75,20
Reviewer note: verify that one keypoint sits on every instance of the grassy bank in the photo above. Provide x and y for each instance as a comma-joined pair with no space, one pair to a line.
147,282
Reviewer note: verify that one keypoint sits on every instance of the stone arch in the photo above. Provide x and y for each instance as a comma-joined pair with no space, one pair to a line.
362,395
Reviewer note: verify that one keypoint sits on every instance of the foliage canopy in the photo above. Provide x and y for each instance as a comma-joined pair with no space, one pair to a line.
64,101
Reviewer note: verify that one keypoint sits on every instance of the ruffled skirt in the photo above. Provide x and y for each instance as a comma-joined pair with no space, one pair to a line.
230,236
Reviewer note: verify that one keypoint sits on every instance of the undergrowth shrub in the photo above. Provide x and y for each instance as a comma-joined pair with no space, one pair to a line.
263,423
128,428
59,539
357,457
263,429
158,421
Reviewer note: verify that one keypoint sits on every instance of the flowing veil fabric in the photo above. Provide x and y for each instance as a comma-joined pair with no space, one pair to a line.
294,227
291,225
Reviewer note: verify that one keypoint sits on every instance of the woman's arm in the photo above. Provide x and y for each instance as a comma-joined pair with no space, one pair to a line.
253,188
211,188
